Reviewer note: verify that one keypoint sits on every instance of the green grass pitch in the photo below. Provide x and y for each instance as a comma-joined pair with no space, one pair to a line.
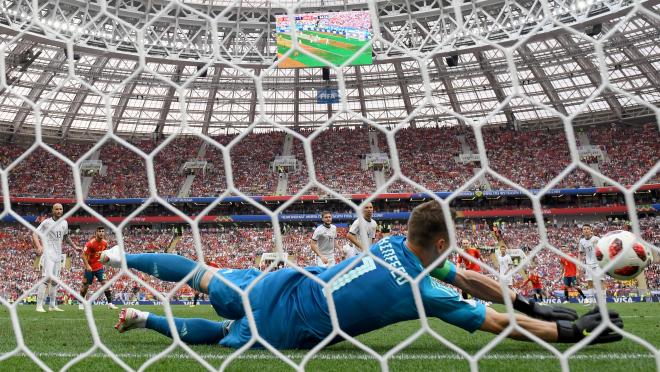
58,337
335,54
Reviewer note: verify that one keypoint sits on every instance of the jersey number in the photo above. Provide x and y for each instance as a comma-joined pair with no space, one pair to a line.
366,266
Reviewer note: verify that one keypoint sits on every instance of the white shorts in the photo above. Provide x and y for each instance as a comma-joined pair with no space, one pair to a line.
350,251
508,281
331,261
50,267
591,275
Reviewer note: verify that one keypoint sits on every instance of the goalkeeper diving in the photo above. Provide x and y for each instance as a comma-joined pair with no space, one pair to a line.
291,311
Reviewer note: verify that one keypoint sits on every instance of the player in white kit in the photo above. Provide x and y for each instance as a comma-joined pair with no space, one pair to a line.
505,263
587,248
362,233
48,242
324,241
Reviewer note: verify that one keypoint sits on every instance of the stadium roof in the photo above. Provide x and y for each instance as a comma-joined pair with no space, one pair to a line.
197,61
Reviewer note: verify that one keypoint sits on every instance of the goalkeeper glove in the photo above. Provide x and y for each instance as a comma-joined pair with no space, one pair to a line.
546,312
575,331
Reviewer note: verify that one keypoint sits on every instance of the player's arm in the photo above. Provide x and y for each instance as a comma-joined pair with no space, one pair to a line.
85,259
355,240
315,248
580,252
487,289
67,238
37,242
481,286
561,331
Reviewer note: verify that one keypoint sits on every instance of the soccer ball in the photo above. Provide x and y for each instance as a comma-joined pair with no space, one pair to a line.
630,256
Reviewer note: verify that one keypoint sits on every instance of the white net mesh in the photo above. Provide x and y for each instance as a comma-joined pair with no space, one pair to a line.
510,51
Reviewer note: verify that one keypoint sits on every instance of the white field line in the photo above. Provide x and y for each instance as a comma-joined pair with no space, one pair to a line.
259,355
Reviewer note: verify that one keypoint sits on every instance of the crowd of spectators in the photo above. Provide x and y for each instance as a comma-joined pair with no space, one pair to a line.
242,247
428,156
531,159
168,164
212,182
630,151
350,20
125,175
41,173
254,154
338,159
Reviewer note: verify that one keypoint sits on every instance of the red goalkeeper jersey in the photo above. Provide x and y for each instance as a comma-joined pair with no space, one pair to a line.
93,249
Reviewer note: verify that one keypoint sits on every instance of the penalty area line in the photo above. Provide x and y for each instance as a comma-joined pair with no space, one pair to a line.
360,356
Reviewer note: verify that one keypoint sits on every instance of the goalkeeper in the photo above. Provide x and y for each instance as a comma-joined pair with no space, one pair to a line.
291,310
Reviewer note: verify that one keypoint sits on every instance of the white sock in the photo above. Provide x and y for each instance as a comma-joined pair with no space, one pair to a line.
41,293
53,295
142,318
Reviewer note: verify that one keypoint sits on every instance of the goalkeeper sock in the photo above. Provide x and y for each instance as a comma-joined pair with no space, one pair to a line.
108,295
581,294
168,267
566,294
41,293
53,294
191,330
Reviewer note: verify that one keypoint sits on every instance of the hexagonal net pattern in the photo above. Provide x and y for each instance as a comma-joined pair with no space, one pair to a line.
456,29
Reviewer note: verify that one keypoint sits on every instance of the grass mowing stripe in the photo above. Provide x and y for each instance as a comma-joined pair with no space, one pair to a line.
358,356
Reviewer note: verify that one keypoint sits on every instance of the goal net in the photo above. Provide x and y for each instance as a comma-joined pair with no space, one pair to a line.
122,101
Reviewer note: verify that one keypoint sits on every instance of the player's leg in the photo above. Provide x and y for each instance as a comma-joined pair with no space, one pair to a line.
590,287
167,267
190,330
170,267
332,261
591,277
88,278
567,284
41,290
46,272
579,291
100,276
574,285
57,265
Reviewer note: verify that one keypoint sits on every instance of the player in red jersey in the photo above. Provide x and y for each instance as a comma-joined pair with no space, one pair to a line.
470,251
537,285
570,274
94,268
467,264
